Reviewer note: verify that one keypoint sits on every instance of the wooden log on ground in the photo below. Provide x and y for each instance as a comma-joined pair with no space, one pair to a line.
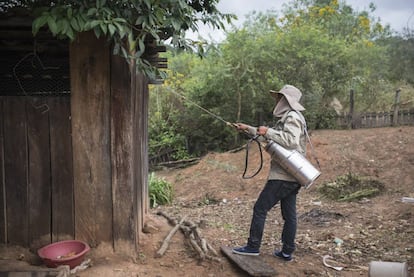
180,163
193,234
216,259
197,247
170,220
212,249
166,241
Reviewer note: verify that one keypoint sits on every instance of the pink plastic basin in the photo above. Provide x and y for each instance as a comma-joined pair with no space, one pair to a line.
67,252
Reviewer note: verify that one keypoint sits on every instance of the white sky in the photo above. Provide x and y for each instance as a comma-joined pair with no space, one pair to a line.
397,13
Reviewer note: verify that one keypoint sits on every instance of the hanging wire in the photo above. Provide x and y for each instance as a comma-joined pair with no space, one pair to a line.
33,56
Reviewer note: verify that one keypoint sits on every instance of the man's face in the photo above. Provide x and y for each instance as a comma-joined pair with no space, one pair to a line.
278,96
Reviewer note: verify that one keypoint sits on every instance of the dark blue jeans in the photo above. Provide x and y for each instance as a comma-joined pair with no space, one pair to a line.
273,192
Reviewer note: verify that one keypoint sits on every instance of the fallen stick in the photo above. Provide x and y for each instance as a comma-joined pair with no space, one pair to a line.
212,249
204,245
197,248
186,231
193,234
166,241
197,234
216,259
170,220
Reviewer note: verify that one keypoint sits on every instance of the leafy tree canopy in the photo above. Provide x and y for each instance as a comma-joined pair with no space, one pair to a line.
323,47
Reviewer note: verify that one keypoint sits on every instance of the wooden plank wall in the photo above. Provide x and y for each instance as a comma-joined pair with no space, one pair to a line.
90,96
110,142
142,159
122,145
63,227
77,167
3,222
39,177
35,177
16,171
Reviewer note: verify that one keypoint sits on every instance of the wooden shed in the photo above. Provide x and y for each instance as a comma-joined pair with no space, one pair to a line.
73,140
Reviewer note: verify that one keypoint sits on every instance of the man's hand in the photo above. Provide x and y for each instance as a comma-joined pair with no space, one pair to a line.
262,130
241,126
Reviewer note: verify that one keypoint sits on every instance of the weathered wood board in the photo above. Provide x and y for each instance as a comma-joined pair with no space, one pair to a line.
253,265
51,272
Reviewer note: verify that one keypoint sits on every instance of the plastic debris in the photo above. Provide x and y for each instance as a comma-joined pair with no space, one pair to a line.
407,199
338,241
338,268
84,265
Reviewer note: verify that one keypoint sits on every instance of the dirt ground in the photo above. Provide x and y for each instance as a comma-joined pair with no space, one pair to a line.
213,195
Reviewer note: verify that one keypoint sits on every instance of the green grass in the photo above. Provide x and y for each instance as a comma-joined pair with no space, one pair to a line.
351,187
160,191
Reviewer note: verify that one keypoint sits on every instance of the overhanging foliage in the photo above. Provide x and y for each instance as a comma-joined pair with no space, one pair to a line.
129,25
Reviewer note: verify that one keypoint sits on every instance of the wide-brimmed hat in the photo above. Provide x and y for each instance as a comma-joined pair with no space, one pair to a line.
292,95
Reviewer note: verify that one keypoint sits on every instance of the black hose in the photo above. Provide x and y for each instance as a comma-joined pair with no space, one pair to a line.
253,139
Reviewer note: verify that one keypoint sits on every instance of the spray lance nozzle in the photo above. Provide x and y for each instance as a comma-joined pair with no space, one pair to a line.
231,124
244,131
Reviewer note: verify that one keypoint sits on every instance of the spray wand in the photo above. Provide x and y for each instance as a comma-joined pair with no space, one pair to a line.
252,138
205,110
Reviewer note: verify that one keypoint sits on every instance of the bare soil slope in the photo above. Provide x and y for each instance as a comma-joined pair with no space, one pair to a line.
213,194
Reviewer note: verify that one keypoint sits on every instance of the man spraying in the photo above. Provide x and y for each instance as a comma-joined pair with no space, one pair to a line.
289,132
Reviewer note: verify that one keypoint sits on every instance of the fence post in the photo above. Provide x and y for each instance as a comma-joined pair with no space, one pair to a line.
396,107
351,108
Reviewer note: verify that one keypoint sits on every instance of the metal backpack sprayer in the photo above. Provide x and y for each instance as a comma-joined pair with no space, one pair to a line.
294,163
290,160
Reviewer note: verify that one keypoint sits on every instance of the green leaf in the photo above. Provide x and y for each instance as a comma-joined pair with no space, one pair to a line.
148,3
140,19
111,29
91,11
70,34
39,23
121,29
141,46
104,28
124,52
69,12
81,24
176,24
94,23
61,26
97,32
74,24
52,25
91,24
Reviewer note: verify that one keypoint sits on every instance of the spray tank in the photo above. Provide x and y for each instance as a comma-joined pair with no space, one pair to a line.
294,163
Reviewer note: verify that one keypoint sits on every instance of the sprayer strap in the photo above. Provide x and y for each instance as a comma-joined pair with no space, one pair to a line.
308,138
312,149
305,127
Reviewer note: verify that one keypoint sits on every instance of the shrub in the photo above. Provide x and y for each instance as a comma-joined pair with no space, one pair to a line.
160,191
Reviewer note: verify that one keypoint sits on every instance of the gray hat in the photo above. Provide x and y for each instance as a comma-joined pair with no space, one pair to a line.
292,95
